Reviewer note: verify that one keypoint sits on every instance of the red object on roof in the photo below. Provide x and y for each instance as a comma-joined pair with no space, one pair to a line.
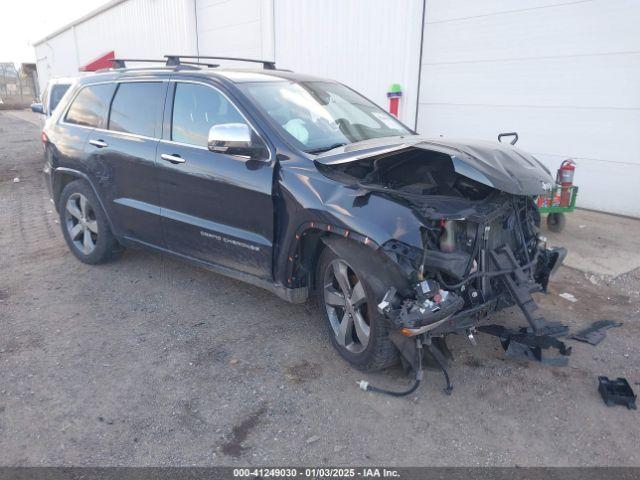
102,61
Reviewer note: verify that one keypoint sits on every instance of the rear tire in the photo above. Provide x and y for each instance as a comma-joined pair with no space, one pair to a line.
364,340
84,224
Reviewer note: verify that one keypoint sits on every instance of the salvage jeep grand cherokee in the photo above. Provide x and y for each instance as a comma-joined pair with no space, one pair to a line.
302,186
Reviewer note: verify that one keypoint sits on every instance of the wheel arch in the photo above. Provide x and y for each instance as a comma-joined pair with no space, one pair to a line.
62,176
364,253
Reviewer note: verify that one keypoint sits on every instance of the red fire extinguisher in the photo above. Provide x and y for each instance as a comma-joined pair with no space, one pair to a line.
564,178
394,94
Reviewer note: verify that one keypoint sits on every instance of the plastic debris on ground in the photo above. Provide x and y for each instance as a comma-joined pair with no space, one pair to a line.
596,333
569,296
617,392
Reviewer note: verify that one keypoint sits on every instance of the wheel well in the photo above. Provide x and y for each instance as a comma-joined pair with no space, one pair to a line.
61,180
313,241
310,248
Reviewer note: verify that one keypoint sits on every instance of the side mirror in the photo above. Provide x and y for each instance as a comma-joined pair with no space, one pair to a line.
235,139
37,107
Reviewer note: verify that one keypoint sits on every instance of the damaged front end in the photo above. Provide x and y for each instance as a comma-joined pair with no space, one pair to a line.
480,250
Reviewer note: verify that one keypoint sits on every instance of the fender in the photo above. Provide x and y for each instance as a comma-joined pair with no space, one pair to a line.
381,272
312,205
81,175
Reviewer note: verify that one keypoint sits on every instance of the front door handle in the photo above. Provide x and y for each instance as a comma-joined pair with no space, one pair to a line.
98,143
172,158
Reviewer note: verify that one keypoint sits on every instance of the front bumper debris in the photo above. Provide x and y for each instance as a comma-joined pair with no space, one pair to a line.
428,309
596,333
520,286
523,344
617,392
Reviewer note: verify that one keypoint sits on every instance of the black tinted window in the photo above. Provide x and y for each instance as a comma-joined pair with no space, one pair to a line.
57,92
90,106
136,108
196,108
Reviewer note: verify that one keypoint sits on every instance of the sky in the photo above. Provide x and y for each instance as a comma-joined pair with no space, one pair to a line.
26,21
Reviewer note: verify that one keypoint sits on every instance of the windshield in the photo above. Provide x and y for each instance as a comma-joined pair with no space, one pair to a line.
322,115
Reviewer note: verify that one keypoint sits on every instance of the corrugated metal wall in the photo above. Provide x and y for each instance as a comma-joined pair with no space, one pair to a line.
366,44
564,75
242,28
57,57
135,28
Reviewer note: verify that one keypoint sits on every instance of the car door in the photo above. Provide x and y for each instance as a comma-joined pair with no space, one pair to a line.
86,111
123,155
216,208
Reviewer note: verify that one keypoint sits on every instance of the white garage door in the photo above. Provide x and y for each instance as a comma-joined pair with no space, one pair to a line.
564,74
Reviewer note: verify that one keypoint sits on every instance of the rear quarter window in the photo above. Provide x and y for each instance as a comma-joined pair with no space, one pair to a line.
89,108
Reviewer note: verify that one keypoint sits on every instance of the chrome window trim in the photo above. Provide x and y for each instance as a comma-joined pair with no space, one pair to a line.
126,134
169,141
179,80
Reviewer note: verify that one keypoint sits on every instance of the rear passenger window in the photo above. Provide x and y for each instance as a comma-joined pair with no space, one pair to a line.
136,108
90,106
196,108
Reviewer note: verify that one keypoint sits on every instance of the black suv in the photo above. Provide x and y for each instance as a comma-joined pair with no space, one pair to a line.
300,185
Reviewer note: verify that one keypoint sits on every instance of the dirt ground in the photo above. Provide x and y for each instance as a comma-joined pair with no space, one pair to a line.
149,361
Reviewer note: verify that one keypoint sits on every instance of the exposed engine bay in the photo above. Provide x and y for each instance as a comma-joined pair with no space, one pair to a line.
481,252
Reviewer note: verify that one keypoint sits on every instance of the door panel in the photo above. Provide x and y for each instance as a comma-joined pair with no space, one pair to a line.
123,159
126,177
216,208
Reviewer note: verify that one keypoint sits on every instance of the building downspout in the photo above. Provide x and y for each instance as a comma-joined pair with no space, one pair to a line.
424,10
195,17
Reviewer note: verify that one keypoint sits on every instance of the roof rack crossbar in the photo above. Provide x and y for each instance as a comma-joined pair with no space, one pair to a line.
173,60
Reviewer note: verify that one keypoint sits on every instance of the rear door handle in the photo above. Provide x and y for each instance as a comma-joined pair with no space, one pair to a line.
172,158
98,143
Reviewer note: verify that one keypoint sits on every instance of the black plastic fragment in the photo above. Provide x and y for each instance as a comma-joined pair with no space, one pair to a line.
521,343
596,332
617,392
520,286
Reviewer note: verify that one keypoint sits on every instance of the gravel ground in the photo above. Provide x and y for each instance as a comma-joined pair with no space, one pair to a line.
149,361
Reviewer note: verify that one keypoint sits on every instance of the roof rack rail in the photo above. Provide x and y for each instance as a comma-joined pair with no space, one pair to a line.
175,60
121,62
209,65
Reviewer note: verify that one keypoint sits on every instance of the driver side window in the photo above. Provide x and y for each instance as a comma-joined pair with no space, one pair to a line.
196,108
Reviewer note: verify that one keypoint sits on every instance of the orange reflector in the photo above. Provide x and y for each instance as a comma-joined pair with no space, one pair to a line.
406,332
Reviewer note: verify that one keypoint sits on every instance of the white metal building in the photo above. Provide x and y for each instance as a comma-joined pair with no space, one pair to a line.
564,74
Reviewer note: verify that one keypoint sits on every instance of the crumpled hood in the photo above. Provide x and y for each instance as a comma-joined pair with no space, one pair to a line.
495,164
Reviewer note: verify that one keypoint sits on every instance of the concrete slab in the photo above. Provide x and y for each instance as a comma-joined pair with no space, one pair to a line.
36,119
598,242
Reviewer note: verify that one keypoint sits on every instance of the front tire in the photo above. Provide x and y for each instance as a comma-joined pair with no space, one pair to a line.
84,224
348,303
